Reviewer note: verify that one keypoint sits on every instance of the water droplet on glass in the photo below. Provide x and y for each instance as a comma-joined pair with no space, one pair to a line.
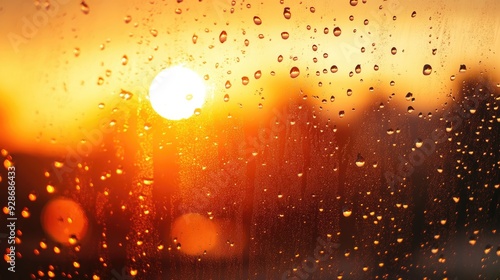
394,50
341,114
124,60
375,67
409,96
153,32
100,81
414,14
346,211
427,70
326,30
349,92
358,69
245,80
360,161
334,69
337,31
223,37
257,20
257,74
178,11
228,84
312,9
452,77
332,98
285,35
84,7
294,72
126,95
195,38
410,109
286,13
353,2
127,19
366,22
76,52
462,68
434,51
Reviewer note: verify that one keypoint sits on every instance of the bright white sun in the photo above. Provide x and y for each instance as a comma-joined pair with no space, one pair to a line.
176,93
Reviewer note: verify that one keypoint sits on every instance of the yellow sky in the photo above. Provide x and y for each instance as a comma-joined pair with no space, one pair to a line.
48,95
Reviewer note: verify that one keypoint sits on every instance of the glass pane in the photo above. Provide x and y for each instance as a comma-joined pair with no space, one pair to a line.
250,139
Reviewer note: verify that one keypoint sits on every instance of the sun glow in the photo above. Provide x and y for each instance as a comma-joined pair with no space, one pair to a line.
176,93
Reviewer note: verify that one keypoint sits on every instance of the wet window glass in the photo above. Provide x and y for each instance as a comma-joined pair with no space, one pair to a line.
250,139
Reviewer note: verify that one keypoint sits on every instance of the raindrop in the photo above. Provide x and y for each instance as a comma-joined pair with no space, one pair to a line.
394,50
228,84
452,77
127,19
153,32
409,96
341,114
195,38
285,35
247,42
226,97
84,7
414,14
326,30
419,143
294,72
337,31
257,74
223,37
353,2
463,68
124,60
100,81
314,47
178,11
375,67
334,69
360,161
245,80
280,58
427,70
332,98
410,109
434,51
366,22
125,95
358,69
257,20
286,13
349,92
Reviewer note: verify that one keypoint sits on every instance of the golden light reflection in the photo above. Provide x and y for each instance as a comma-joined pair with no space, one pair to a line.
63,220
194,234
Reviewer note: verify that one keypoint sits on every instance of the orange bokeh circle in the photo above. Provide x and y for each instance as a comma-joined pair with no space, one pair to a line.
64,221
195,233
